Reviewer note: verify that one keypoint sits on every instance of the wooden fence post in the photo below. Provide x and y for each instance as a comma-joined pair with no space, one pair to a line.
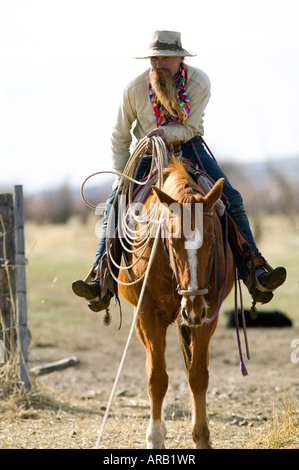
20,282
13,304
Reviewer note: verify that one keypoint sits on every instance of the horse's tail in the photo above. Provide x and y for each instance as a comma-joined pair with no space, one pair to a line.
184,334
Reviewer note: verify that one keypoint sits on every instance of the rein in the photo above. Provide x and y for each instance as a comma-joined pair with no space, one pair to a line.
209,320
242,365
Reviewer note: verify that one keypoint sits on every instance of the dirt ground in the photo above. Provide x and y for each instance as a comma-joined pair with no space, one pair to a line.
66,408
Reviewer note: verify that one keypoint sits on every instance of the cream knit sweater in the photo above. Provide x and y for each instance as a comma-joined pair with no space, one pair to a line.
136,113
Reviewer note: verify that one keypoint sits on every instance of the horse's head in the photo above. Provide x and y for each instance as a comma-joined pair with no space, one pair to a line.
191,238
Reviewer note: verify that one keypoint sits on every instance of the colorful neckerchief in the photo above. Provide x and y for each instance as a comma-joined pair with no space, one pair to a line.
162,116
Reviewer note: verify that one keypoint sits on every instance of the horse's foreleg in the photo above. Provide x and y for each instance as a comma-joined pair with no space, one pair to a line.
153,335
199,381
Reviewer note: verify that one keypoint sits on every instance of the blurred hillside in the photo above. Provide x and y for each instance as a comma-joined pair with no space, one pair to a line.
271,187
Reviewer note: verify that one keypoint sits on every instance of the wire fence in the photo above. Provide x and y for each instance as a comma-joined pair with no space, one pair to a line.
14,334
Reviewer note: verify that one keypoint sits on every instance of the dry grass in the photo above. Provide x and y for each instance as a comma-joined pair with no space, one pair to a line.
41,418
283,429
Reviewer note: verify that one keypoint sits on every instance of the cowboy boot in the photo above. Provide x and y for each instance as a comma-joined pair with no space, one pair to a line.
98,287
92,291
265,282
88,290
272,279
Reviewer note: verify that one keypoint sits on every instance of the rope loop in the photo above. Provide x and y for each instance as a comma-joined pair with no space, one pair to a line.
138,240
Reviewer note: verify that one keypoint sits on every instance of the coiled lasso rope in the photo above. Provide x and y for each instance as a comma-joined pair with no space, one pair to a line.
150,218
138,240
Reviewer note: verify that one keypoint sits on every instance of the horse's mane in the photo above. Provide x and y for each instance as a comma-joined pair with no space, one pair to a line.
178,181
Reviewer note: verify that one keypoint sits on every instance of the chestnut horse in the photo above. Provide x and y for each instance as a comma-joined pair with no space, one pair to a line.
204,275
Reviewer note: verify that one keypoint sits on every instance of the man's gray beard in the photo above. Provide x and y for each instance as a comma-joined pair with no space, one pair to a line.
164,87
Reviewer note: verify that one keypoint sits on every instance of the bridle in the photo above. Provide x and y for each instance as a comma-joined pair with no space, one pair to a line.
204,291
173,265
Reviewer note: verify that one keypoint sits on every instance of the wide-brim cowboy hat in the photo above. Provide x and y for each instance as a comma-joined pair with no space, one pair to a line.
166,43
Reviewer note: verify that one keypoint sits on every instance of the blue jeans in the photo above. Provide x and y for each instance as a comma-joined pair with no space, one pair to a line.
235,201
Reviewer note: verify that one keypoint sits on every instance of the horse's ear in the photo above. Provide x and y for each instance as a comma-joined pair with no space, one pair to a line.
213,195
163,197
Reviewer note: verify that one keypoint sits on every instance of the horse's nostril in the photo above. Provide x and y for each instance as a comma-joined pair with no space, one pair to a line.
184,314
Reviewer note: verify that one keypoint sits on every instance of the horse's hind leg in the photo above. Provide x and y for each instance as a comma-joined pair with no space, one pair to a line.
152,333
199,381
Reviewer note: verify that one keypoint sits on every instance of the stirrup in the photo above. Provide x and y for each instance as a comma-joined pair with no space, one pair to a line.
97,305
258,292
252,283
